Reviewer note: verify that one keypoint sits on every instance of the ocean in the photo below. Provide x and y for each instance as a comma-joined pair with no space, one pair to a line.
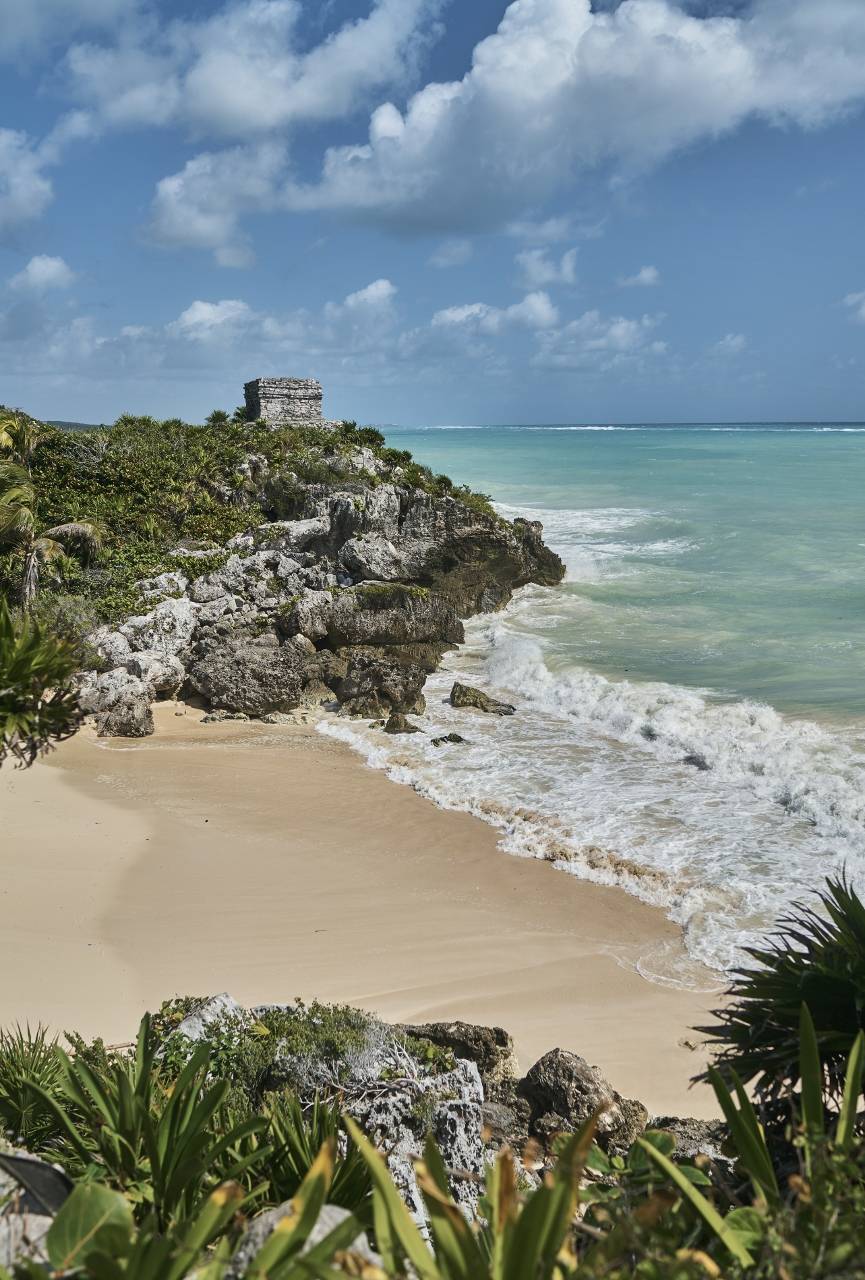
691,701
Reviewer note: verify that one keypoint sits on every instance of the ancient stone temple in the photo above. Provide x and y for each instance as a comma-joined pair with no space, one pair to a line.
280,401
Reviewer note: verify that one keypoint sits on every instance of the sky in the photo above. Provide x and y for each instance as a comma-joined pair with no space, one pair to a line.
448,211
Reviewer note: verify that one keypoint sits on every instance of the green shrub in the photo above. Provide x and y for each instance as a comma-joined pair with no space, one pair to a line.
816,958
38,701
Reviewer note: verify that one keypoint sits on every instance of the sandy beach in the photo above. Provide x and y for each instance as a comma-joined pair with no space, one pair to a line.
272,863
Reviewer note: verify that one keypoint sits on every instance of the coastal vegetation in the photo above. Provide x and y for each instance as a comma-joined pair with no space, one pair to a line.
133,491
815,957
212,1147
38,691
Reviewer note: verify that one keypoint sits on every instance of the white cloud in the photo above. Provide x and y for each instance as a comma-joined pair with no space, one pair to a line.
536,311
201,206
856,302
560,89
246,70
34,26
538,270
645,278
732,344
593,341
43,273
209,321
451,253
25,191
542,231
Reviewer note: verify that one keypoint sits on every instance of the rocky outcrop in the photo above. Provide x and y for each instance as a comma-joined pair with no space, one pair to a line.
132,719
377,683
239,671
466,695
398,723
563,1092
351,592
490,1048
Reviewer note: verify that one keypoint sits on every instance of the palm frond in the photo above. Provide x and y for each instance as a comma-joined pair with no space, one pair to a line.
817,959
86,536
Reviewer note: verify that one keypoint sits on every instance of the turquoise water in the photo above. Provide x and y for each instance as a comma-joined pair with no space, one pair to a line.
733,559
691,720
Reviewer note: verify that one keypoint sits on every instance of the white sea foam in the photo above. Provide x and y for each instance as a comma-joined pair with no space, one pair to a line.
593,775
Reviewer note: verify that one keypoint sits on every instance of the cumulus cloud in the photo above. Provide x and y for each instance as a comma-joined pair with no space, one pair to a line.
25,190
34,26
41,274
451,253
246,69
201,206
732,344
538,270
645,278
561,88
594,341
856,303
536,311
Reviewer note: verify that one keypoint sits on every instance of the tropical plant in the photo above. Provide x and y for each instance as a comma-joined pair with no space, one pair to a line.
296,1136
816,958
147,1135
218,418
26,1059
38,701
37,548
19,436
817,1222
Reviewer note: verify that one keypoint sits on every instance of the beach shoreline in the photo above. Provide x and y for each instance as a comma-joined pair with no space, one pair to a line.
271,862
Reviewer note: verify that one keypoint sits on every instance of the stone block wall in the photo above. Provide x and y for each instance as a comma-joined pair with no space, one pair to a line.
279,401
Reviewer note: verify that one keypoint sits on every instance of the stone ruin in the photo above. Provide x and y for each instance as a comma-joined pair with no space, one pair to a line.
283,402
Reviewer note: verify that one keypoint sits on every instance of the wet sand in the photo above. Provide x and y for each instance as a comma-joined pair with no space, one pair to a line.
272,863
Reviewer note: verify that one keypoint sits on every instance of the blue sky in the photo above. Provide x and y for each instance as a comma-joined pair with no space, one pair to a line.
447,210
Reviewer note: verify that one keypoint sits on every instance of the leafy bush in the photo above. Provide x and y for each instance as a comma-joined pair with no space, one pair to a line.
38,702
147,1148
816,958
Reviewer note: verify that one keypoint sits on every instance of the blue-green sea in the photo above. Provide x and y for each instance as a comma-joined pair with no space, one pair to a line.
691,721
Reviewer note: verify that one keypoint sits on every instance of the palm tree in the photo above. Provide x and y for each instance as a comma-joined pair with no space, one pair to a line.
38,548
19,436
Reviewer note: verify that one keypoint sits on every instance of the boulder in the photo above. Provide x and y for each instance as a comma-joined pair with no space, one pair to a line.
466,695
111,646
397,723
99,693
448,738
374,558
564,1091
308,616
163,586
264,1224
159,673
490,1048
167,630
239,671
391,614
130,719
204,1020
695,1137
376,684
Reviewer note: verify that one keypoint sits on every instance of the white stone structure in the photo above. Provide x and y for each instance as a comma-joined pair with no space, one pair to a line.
282,401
